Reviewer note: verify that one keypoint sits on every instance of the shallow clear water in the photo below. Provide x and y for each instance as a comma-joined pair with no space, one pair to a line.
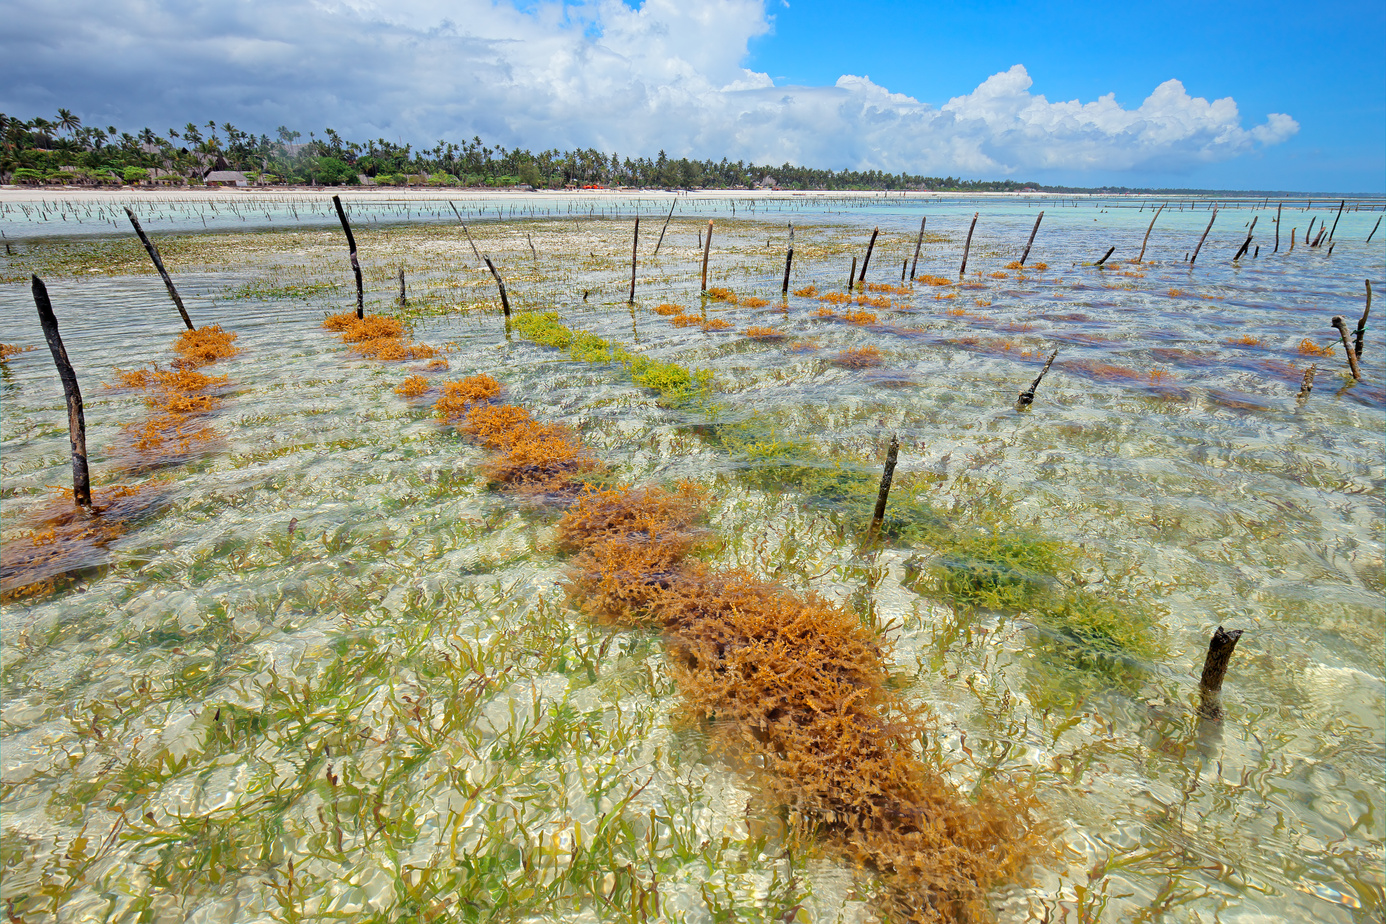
173,725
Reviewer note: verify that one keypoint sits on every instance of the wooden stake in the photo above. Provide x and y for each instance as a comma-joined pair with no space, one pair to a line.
1028,397
1278,207
1105,256
1335,219
904,268
869,247
1247,243
665,228
1374,227
1362,324
76,423
1292,240
962,270
918,243
634,248
1220,650
852,274
1310,230
355,263
1204,237
1035,230
1341,326
1306,384
788,259
403,299
883,494
500,284
475,252
159,265
707,248
1147,234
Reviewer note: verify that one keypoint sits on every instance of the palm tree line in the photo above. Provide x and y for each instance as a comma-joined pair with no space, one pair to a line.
39,149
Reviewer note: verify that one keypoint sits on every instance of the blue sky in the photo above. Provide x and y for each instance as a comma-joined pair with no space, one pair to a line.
1270,95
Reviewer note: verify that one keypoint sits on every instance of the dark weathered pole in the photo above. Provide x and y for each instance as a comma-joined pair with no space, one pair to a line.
500,284
1310,230
1146,240
1033,231
1334,230
1278,207
403,297
1194,258
1341,327
788,259
869,247
962,270
707,249
918,243
475,252
1247,243
1362,324
852,274
1027,397
1220,650
76,423
883,495
1109,252
1374,227
159,265
355,263
665,228
634,250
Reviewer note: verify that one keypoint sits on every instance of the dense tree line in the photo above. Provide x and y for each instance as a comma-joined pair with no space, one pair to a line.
64,150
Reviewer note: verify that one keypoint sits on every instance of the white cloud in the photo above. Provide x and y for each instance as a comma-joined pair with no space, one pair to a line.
666,74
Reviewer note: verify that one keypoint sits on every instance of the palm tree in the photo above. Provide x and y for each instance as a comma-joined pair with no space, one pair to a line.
147,136
67,121
41,127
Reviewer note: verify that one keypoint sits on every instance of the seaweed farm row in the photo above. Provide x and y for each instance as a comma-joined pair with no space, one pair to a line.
446,615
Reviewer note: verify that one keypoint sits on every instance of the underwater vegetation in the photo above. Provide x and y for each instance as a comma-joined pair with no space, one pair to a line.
377,337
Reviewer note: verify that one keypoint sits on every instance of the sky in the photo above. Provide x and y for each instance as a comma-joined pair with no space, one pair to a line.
1274,95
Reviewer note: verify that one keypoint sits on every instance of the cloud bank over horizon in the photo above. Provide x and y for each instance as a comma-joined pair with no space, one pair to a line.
665,75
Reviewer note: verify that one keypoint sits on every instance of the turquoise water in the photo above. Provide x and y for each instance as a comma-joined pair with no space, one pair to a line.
181,711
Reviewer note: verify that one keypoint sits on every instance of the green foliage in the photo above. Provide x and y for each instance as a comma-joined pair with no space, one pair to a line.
134,175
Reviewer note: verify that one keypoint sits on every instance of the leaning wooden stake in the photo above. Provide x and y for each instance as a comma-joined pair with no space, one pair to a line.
852,274
355,263
1220,650
1374,227
883,495
475,252
1306,384
918,243
1278,207
1341,326
1362,324
634,249
76,423
869,247
1105,255
1335,219
1194,258
500,284
665,228
159,265
1247,243
1028,397
788,259
707,249
962,270
1035,230
1147,233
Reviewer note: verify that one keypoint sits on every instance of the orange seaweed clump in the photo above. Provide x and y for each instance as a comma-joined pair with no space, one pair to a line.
669,310
824,313
945,296
1160,377
717,324
957,312
1039,267
412,387
204,345
835,298
998,275
859,317
538,457
686,320
340,322
858,358
933,280
799,686
1175,293
1015,265
1245,340
65,540
1307,347
755,302
887,287
757,332
10,349
875,301
717,293
803,346
458,397
437,365
807,292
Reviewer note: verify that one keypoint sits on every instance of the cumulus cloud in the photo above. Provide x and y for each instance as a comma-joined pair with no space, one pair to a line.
666,74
